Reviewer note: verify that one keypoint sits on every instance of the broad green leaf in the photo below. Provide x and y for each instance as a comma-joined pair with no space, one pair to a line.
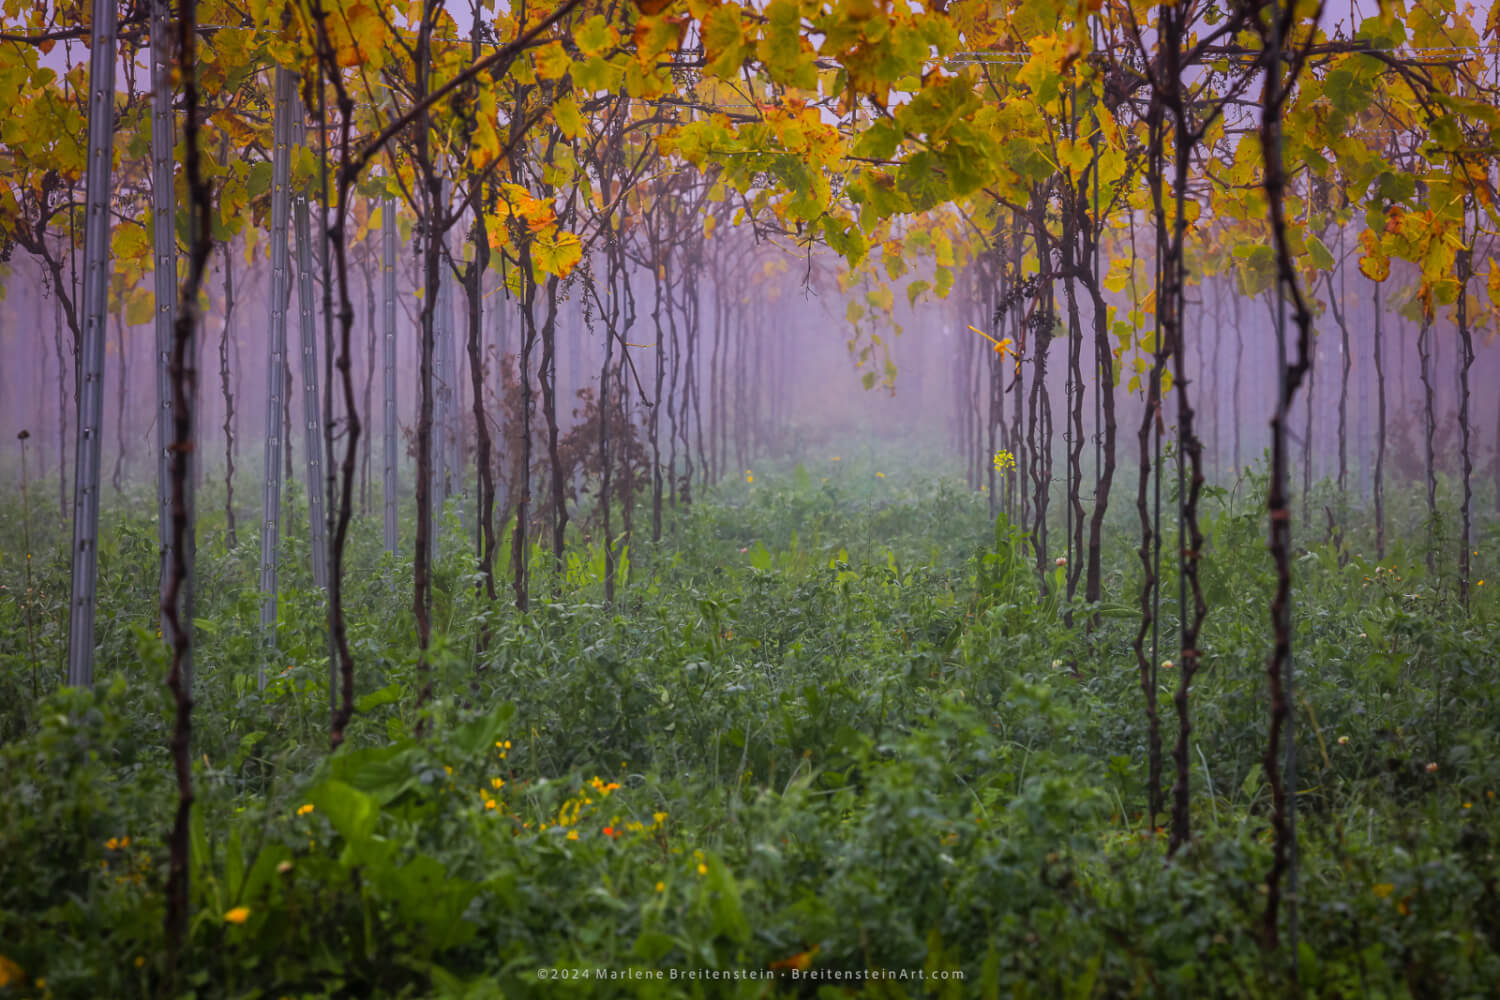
352,812
1321,258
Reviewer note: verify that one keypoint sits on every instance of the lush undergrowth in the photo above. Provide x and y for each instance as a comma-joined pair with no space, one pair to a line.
832,726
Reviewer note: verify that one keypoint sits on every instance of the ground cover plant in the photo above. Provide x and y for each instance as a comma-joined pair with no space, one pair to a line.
827,726
746,595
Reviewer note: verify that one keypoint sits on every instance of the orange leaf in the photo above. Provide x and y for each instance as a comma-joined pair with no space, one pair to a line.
799,961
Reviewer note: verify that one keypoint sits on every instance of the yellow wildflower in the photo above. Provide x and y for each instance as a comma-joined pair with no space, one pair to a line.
572,834
702,868
661,887
659,817
238,915
304,809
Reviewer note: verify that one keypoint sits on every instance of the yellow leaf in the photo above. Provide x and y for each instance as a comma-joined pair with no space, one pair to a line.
942,250
565,114
486,147
359,35
1075,155
557,254
1118,276
1374,264
140,306
551,61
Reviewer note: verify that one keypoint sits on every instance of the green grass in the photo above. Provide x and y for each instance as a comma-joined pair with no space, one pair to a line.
847,730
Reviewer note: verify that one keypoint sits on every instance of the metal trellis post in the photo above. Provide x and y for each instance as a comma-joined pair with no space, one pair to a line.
96,235
281,168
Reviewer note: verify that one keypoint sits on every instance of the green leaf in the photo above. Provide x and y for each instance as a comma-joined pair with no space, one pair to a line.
199,861
387,695
1027,159
781,47
724,40
1446,132
234,867
259,180
727,908
594,74
594,36
1384,31
652,946
879,141
352,812
475,738
1321,258
920,181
